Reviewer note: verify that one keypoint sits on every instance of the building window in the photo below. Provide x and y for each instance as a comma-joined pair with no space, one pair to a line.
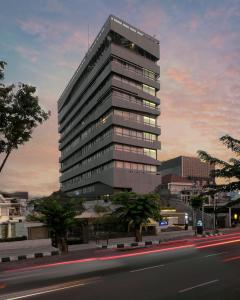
149,104
135,117
119,164
149,136
149,74
127,165
149,121
135,134
148,89
150,152
135,167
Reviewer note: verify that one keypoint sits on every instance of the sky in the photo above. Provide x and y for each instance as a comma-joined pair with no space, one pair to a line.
44,41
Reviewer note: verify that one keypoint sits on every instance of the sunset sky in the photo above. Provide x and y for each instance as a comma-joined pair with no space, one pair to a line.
44,41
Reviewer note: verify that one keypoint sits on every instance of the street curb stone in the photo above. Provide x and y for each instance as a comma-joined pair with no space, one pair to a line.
28,256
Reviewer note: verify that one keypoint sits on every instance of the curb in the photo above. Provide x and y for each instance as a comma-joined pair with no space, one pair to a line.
211,234
129,245
24,257
140,244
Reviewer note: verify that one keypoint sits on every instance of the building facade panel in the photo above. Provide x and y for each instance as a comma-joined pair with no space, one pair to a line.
143,62
108,115
135,105
82,94
188,167
72,116
136,181
117,68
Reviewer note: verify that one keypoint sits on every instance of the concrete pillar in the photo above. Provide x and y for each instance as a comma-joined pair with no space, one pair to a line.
203,217
9,230
230,217
158,229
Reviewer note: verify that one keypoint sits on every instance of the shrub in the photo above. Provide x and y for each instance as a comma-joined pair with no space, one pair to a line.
13,239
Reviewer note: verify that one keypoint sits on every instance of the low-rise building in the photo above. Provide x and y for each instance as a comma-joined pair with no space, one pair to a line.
12,216
191,168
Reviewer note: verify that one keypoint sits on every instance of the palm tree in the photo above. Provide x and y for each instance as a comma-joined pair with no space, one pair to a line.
58,212
136,210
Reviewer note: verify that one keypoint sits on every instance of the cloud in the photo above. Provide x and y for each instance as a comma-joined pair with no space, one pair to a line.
44,29
55,6
184,79
57,39
30,54
150,19
219,40
194,23
224,11
233,71
75,41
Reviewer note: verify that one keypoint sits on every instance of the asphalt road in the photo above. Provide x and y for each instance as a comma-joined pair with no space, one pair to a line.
202,269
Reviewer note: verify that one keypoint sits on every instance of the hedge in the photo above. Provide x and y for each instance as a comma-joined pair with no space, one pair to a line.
13,239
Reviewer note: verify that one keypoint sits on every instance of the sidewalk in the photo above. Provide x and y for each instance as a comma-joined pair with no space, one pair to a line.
31,247
21,250
82,252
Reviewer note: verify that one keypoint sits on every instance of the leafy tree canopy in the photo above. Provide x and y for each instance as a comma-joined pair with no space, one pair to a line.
2,66
228,170
136,210
20,113
197,201
58,212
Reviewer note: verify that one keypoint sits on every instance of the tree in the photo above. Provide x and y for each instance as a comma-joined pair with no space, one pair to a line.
2,66
136,210
99,209
227,170
197,202
58,213
20,113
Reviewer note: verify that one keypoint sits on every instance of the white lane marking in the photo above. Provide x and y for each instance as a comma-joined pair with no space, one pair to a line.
215,254
46,292
197,286
147,268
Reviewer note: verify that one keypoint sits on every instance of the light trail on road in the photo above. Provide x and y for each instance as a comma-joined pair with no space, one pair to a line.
225,239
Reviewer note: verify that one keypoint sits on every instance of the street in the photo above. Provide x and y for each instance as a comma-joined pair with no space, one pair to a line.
207,268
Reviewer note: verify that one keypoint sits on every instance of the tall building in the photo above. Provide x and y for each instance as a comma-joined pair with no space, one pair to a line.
108,115
191,168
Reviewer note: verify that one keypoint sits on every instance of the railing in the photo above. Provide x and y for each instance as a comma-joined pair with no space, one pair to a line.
133,29
139,122
136,137
118,62
135,152
139,102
